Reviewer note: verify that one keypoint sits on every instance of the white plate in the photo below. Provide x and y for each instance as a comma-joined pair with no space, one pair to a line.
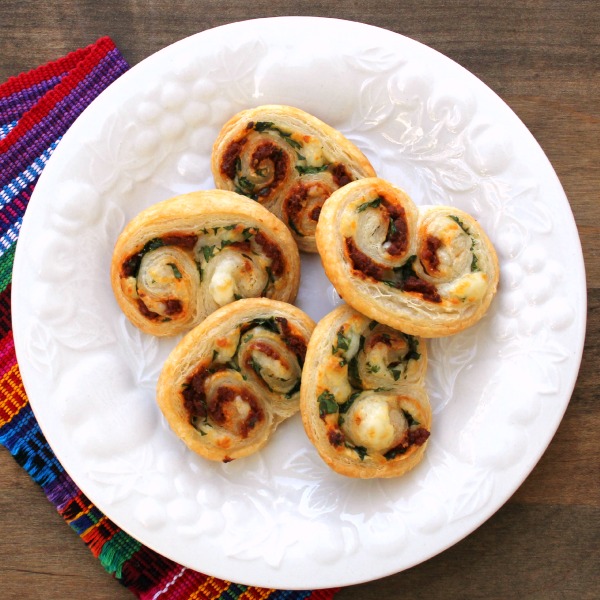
281,518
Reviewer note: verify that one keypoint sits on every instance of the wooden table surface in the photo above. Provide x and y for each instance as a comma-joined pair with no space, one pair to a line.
543,58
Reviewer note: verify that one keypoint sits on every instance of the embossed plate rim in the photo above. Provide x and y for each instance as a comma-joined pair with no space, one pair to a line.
342,558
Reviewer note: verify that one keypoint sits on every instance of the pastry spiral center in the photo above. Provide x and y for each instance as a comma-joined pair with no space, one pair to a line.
444,250
375,422
265,357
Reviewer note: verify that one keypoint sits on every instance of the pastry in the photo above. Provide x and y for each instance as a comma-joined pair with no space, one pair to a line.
363,400
287,160
232,379
181,259
428,271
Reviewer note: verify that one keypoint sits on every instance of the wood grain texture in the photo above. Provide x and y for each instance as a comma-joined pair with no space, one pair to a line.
541,57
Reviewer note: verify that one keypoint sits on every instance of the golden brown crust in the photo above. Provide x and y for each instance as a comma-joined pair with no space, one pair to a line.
231,380
181,259
430,271
289,161
363,400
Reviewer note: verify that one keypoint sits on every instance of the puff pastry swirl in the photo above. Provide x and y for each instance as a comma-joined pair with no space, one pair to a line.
289,161
181,259
363,400
430,271
232,379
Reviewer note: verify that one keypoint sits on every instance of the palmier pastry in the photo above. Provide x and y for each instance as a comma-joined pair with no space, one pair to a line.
430,272
181,259
232,379
363,401
287,160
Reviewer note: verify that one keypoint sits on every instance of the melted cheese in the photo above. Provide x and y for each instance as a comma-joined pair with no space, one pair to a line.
374,424
129,287
335,379
227,345
348,224
378,356
160,273
222,285
242,409
271,367
470,288
312,150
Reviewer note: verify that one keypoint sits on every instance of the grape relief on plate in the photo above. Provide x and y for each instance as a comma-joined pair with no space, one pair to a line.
426,136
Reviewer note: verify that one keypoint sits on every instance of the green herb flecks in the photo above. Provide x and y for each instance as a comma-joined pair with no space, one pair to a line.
255,366
152,245
244,186
200,423
131,267
309,170
294,228
353,375
474,261
395,372
233,365
176,271
208,252
410,419
400,274
345,406
460,224
327,404
392,229
248,232
360,450
372,204
262,126
294,390
269,323
413,345
394,452
343,342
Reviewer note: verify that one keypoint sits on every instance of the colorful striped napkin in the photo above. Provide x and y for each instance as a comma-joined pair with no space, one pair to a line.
36,109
